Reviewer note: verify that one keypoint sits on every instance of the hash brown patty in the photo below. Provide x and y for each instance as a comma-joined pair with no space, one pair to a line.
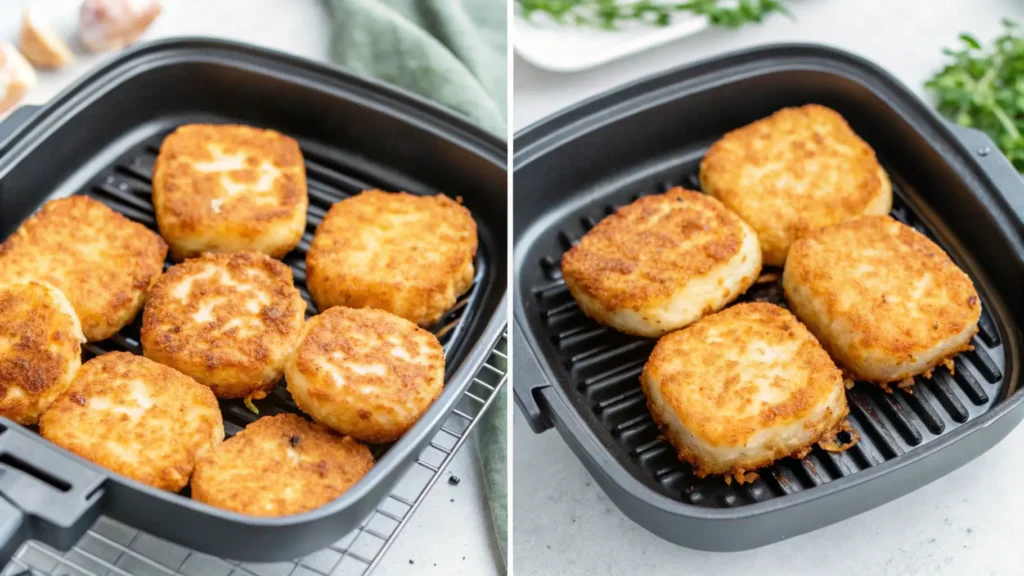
227,188
884,300
406,254
365,372
103,262
137,418
40,349
661,263
279,465
227,320
742,388
794,171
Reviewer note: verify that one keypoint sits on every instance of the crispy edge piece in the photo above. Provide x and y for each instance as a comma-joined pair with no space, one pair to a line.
402,281
624,267
233,366
45,349
184,199
280,465
72,425
56,245
815,134
344,331
820,366
875,334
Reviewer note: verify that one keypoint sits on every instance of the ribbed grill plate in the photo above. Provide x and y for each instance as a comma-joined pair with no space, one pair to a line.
125,187
604,368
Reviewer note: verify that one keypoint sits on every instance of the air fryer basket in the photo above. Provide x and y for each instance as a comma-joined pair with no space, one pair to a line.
950,183
100,137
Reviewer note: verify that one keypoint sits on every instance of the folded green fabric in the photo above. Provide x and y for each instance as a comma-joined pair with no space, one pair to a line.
450,51
454,53
492,447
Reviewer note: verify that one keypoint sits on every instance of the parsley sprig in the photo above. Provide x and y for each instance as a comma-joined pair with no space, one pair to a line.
609,14
983,87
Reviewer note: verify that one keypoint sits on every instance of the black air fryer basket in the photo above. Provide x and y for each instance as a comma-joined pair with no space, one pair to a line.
100,138
950,183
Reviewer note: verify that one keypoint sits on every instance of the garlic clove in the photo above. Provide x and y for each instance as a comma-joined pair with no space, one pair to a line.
16,76
40,45
113,24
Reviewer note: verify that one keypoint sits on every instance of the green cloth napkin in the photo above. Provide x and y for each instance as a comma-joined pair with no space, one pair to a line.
452,52
492,447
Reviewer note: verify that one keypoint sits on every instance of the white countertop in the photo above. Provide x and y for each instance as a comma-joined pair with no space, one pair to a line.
969,522
451,533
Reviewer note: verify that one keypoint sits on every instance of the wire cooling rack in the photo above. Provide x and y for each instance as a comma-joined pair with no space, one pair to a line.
110,548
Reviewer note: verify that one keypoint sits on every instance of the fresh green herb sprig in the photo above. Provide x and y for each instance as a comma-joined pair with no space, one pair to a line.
983,88
609,14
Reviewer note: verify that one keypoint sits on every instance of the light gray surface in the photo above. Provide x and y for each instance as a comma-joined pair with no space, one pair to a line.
451,532
969,522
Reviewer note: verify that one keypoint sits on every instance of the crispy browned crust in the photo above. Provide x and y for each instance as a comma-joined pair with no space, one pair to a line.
741,472
703,386
103,262
40,350
365,372
279,465
406,254
644,252
796,170
880,305
184,196
238,351
137,418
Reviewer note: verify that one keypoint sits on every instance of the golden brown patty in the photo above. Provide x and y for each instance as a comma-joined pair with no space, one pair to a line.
406,254
40,349
279,465
227,320
229,189
794,171
137,418
365,372
661,263
103,262
885,301
742,388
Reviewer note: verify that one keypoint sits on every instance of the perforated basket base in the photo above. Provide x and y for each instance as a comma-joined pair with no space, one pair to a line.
125,187
604,368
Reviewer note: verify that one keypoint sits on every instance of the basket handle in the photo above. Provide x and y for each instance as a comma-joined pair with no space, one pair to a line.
13,530
45,493
528,379
996,166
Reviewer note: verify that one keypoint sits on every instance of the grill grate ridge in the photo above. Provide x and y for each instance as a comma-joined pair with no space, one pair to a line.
604,367
947,399
984,363
968,383
921,403
901,420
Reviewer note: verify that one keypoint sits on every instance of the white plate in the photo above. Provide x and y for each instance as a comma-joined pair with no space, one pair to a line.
567,48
